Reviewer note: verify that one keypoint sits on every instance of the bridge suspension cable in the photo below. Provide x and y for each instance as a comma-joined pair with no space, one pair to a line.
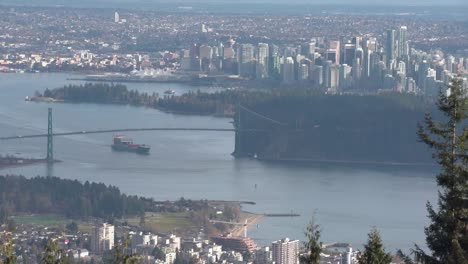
262,116
49,135
132,130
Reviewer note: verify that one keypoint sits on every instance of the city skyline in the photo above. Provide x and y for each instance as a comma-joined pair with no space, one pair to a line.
110,3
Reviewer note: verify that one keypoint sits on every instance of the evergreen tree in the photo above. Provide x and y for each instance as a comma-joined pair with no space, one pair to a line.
313,245
158,253
374,252
72,227
447,234
7,249
121,256
53,255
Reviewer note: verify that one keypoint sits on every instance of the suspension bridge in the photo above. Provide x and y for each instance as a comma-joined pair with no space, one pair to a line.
50,135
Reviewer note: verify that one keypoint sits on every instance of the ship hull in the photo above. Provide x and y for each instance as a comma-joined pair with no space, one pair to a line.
136,149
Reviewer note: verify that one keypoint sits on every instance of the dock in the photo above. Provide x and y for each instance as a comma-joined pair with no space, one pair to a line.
282,215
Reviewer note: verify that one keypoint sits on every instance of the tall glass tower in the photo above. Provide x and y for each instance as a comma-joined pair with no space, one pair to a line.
390,48
402,42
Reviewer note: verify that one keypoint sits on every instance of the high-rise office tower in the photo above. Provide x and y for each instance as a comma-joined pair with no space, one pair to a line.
334,77
390,49
333,51
206,52
274,62
357,41
422,73
402,42
366,67
332,55
349,54
262,61
374,59
221,50
317,75
345,77
288,70
303,73
371,44
102,238
402,67
326,73
308,49
285,251
116,17
246,60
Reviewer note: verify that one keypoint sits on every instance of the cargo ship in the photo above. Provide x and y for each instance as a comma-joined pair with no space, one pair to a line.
123,143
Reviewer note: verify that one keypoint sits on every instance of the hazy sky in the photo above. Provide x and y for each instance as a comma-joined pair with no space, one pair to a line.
314,2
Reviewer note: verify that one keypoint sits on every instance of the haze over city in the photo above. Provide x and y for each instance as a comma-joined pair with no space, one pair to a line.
233,132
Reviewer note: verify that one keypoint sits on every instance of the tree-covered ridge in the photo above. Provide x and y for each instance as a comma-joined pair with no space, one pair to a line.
336,127
100,93
67,197
370,128
218,102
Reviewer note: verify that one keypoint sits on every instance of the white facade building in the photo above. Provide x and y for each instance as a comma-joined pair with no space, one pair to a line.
285,251
102,238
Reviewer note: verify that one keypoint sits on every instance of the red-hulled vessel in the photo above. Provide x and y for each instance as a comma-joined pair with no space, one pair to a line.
123,143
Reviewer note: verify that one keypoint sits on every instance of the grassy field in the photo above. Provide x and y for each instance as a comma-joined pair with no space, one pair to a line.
44,220
166,222
51,221
156,222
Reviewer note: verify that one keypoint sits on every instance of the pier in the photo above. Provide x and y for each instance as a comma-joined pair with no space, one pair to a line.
282,215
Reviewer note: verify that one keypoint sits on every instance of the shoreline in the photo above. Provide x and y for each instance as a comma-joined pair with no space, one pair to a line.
251,218
23,163
358,162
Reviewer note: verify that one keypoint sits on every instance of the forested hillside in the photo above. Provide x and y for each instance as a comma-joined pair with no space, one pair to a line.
370,128
337,127
66,197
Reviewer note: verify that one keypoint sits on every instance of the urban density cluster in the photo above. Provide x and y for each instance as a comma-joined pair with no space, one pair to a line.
98,244
336,53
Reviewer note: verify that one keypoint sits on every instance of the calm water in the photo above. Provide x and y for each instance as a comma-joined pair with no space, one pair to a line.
349,199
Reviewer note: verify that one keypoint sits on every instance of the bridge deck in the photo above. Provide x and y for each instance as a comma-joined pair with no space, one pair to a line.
131,130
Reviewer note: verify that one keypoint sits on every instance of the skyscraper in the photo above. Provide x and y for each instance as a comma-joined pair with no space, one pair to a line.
288,70
402,42
345,77
116,17
274,64
317,75
334,77
326,73
285,251
303,73
357,42
206,52
333,51
349,54
262,61
246,60
390,49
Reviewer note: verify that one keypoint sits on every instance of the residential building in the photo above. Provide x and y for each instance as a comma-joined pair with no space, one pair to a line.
102,238
285,251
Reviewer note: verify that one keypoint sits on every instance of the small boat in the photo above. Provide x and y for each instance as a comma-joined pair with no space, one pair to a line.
123,143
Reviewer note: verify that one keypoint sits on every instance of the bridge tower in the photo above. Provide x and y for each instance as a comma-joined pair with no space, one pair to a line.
50,143
238,144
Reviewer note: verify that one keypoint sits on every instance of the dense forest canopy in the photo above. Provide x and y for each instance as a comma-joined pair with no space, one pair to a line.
336,127
362,128
67,197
